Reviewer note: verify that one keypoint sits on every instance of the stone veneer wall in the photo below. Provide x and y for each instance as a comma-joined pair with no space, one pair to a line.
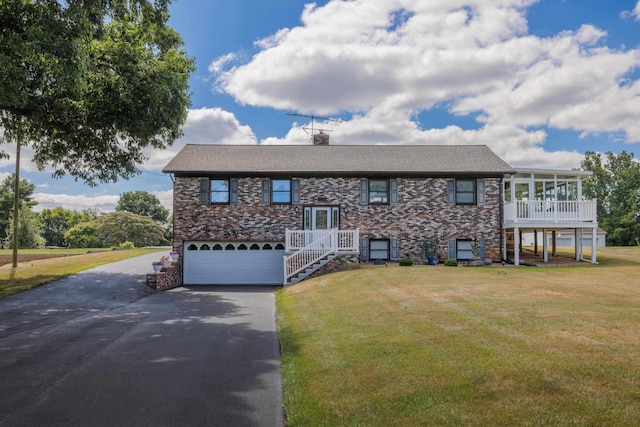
421,213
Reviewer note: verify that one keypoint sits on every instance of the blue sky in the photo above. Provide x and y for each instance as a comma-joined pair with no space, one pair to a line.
539,82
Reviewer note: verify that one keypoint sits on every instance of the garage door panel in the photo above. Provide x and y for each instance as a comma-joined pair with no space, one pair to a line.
235,263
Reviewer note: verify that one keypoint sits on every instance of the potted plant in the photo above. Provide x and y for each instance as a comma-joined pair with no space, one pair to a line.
174,254
166,261
157,266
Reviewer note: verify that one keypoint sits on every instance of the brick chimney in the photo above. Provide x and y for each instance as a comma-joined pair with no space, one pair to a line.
321,138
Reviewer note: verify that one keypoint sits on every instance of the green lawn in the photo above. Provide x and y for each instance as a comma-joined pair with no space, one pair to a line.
465,346
35,273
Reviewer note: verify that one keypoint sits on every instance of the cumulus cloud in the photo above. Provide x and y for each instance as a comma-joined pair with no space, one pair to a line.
382,63
203,126
632,14
103,203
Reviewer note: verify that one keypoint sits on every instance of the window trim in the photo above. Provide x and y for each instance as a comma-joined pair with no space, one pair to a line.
388,191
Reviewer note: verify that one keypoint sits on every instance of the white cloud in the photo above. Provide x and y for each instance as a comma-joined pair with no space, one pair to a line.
203,126
386,61
633,14
103,203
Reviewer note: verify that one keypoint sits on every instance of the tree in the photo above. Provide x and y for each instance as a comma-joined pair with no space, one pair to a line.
83,235
89,84
28,230
616,185
143,203
118,227
56,222
25,196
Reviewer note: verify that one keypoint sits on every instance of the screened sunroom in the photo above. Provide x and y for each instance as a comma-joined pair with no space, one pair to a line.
544,201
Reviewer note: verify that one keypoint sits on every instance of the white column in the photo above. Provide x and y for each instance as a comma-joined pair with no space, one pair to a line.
578,243
545,247
593,246
516,246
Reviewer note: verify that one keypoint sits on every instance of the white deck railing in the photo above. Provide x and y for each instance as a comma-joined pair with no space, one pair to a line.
319,244
336,240
550,211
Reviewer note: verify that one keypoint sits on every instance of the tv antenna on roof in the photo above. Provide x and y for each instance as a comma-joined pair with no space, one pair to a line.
313,119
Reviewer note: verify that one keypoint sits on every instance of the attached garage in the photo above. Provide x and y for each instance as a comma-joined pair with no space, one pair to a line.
233,263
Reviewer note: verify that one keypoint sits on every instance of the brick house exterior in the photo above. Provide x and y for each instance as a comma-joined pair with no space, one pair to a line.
408,195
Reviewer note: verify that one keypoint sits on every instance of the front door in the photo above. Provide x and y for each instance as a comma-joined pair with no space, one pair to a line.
321,218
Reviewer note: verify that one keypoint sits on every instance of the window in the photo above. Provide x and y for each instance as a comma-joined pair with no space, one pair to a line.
464,250
281,191
219,191
465,192
378,192
379,249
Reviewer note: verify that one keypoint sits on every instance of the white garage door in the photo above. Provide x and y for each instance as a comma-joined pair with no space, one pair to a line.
222,263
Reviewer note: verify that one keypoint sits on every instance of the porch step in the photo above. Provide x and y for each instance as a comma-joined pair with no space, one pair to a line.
313,268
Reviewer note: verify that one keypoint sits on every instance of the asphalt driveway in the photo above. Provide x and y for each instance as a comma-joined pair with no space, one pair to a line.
101,349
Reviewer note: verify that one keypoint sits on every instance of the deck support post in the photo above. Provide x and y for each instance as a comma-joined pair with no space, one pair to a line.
516,246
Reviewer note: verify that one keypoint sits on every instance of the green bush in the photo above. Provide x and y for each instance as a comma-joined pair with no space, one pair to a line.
127,245
451,263
406,262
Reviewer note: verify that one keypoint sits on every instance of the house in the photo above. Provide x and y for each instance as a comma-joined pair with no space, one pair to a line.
254,214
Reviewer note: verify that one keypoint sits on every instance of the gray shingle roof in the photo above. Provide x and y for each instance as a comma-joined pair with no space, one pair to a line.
351,160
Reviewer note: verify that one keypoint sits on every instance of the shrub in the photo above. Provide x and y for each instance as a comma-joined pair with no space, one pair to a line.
127,245
451,263
406,262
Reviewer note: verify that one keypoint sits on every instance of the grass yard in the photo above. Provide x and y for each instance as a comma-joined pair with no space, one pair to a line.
35,273
465,346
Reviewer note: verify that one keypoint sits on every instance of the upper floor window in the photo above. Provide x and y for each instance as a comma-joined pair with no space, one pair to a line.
378,191
220,191
465,192
281,191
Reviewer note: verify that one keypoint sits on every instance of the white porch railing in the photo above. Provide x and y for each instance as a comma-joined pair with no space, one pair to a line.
319,244
336,240
550,211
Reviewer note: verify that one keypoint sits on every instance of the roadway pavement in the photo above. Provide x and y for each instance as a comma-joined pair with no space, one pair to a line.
101,349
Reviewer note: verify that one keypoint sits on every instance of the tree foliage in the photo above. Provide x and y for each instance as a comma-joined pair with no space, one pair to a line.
143,203
56,222
25,197
83,235
615,183
115,228
89,84
28,230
